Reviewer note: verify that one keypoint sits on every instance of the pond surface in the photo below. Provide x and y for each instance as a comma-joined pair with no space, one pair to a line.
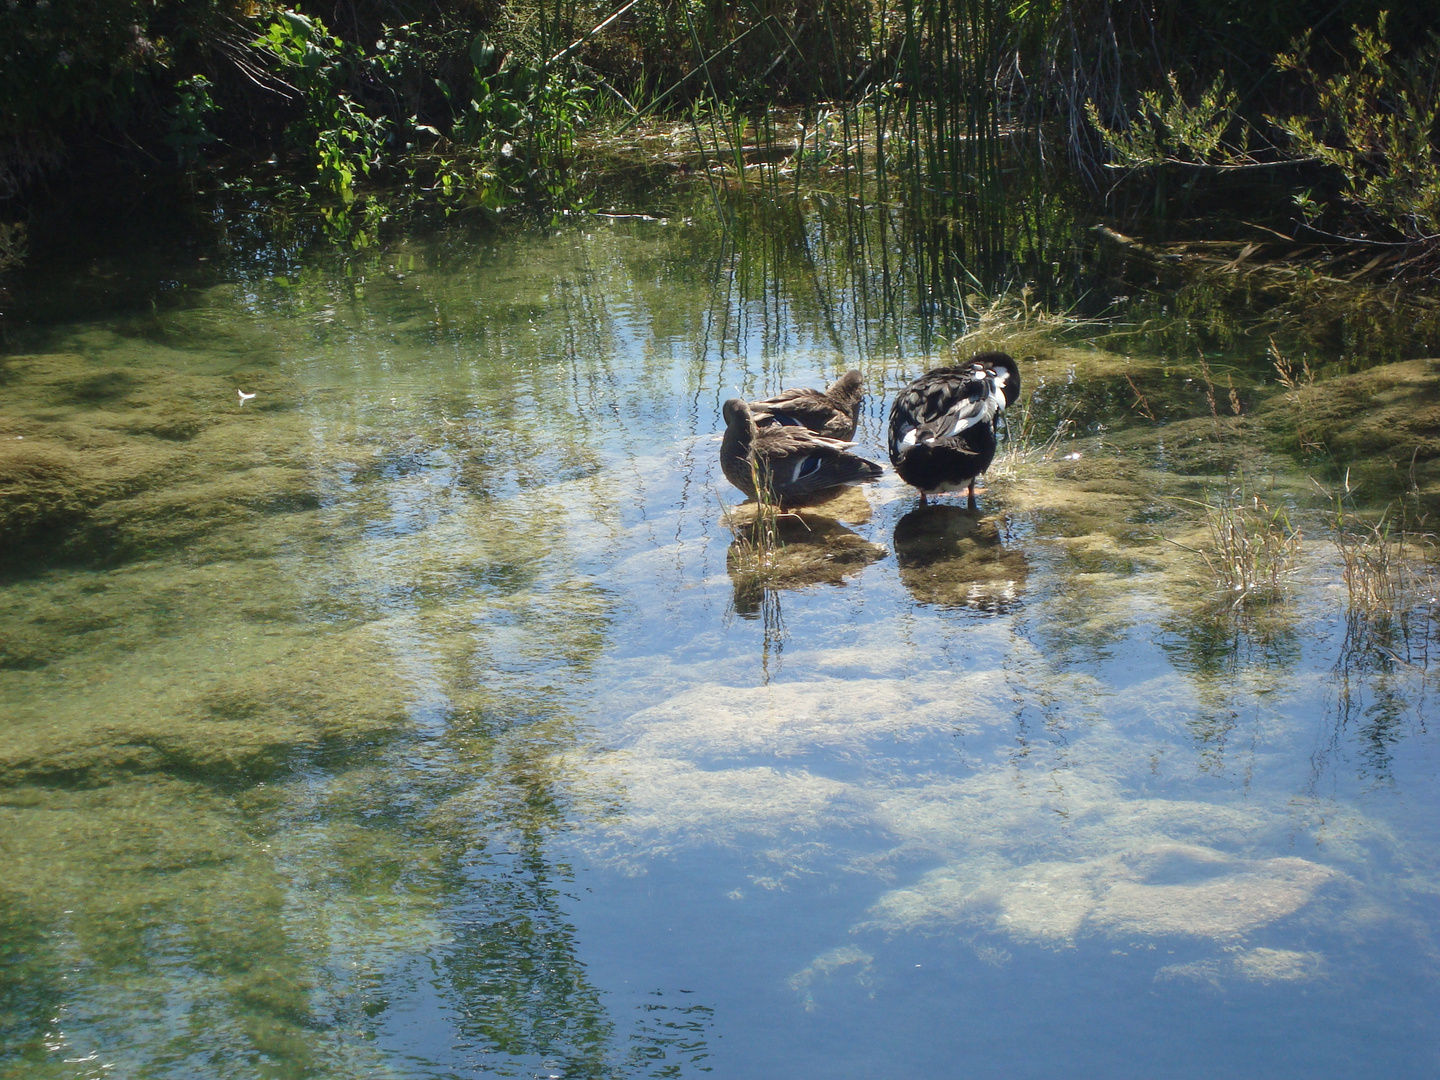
413,718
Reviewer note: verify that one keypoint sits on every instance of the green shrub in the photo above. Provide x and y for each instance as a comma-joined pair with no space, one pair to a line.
193,107
1374,124
72,67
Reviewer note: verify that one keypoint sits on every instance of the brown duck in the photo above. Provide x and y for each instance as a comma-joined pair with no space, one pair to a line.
831,412
795,465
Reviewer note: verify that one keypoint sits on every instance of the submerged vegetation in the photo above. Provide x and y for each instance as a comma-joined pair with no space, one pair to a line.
383,716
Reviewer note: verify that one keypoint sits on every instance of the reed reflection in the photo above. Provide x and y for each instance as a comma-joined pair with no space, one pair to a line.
1377,689
953,557
1233,658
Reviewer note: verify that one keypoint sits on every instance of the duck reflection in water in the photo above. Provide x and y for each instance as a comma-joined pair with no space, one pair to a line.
953,557
809,550
805,549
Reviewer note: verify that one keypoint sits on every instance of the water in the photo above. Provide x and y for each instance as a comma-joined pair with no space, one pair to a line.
413,719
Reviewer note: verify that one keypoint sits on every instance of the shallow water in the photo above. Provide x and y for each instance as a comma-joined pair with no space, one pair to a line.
414,719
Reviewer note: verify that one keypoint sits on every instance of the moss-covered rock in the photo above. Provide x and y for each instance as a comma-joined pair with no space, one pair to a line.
311,694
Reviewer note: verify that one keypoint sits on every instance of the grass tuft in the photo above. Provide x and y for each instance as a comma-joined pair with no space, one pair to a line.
1251,548
1389,570
757,541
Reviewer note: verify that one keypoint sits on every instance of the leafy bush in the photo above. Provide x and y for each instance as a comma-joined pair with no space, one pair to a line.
1375,124
71,67
188,133
1168,130
1372,126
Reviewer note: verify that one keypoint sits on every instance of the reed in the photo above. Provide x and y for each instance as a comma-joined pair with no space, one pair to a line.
1389,569
1373,567
904,118
757,541
1299,383
1029,441
1251,547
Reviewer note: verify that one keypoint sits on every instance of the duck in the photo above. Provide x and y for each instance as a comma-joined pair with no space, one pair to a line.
831,412
796,466
942,426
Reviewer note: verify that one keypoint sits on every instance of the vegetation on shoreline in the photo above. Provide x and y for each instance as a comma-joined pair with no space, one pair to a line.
370,109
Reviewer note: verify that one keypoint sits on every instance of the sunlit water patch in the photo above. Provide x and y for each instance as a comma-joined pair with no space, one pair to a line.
415,717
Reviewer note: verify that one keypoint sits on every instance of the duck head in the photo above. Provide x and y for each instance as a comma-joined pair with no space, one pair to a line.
997,362
736,410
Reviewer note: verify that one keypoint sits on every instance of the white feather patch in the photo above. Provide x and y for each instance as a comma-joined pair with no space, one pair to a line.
968,422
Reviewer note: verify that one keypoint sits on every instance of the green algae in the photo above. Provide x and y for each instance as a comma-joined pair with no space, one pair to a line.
154,889
211,631
100,463
1382,426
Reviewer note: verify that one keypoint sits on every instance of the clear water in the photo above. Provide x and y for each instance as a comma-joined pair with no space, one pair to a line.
407,720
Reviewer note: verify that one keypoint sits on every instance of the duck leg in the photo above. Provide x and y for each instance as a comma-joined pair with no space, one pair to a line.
971,489
922,499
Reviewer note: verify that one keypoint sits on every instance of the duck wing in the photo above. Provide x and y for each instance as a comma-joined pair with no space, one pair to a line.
801,463
830,412
939,406
798,402
803,408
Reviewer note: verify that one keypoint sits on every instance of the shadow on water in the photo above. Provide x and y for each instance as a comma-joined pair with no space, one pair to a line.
812,550
809,549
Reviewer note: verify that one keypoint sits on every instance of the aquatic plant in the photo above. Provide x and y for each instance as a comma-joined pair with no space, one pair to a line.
1299,384
1389,569
1253,546
1372,566
1026,442
1250,547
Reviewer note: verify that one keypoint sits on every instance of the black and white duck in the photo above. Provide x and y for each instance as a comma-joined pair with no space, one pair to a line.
942,426
831,412
794,464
